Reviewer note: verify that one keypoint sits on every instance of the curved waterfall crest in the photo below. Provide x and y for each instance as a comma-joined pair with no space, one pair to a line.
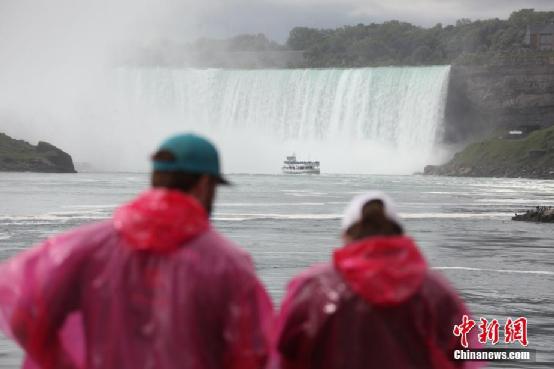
395,108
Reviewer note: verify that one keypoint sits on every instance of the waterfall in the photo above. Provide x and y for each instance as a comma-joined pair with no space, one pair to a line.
367,120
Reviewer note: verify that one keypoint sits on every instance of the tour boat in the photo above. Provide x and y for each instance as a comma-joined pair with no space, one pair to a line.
292,166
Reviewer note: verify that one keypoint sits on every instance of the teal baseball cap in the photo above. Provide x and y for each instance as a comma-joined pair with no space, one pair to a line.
193,154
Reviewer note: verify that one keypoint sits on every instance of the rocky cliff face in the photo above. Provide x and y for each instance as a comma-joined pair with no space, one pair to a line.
21,156
483,99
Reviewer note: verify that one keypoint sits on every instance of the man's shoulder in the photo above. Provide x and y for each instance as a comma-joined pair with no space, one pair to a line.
69,246
82,237
219,248
90,231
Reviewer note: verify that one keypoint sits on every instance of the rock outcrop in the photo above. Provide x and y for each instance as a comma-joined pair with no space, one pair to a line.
529,157
21,156
541,214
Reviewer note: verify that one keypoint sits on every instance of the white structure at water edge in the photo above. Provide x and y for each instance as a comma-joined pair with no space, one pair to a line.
292,166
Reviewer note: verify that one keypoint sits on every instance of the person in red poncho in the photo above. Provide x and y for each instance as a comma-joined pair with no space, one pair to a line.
376,305
154,287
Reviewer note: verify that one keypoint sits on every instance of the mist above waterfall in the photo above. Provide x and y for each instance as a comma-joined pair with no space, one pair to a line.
54,56
60,83
369,120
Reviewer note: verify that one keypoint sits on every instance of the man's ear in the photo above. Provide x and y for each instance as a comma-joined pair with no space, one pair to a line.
201,188
203,191
205,182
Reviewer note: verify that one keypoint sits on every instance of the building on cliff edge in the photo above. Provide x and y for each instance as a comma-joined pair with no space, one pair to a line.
540,36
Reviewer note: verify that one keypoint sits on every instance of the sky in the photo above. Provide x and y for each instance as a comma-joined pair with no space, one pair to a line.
184,20
276,17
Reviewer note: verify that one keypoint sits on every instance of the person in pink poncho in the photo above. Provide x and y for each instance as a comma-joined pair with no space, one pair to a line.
155,286
376,305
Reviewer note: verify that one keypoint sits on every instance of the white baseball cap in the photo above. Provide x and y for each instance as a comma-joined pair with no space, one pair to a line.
353,212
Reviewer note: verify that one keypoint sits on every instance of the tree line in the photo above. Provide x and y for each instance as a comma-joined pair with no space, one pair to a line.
401,43
362,45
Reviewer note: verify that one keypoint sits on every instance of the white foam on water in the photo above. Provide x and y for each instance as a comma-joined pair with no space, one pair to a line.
51,218
511,201
303,192
12,250
258,216
308,194
253,204
300,216
42,217
454,215
76,213
449,193
509,271
229,219
85,207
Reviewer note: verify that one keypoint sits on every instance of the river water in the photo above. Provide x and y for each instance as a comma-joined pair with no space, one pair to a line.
500,267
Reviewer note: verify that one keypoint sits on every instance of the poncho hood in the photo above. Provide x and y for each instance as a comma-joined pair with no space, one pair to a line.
383,270
160,220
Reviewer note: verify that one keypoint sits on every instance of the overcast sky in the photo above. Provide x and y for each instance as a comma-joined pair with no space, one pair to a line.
189,19
276,17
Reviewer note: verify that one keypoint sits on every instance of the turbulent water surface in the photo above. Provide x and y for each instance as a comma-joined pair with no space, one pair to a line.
502,268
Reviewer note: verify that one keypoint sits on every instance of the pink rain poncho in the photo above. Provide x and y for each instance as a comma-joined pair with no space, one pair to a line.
377,306
154,287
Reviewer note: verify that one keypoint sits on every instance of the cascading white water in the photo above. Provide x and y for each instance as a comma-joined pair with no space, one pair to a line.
369,120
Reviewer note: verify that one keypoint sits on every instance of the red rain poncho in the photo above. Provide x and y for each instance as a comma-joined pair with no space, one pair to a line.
155,287
377,306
